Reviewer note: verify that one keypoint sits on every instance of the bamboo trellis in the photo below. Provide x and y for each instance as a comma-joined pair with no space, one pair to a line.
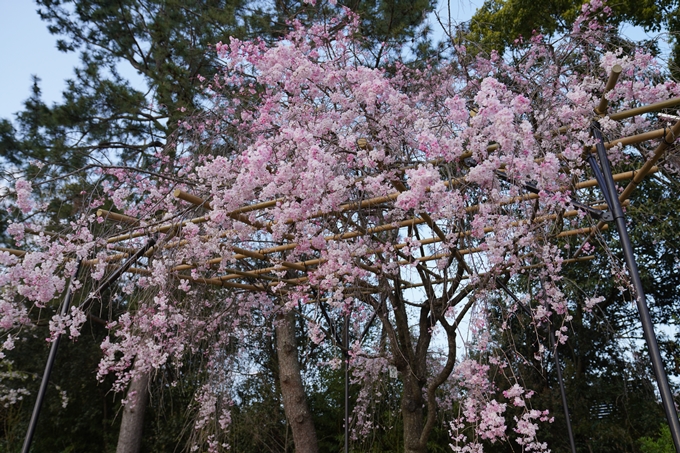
271,260
268,261
265,267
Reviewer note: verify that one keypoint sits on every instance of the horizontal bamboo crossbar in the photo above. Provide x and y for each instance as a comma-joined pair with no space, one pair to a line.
537,220
142,271
220,282
308,264
645,109
669,138
193,199
523,268
159,229
14,252
225,280
261,254
646,169
343,208
633,139
416,221
109,215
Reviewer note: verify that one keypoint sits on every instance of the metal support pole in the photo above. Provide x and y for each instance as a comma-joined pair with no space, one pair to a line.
553,345
123,267
599,177
345,339
55,344
48,366
563,392
640,300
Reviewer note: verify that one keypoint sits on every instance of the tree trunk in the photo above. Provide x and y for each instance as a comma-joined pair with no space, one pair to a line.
294,398
130,436
412,411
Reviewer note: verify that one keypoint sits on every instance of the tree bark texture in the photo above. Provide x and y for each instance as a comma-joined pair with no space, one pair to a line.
294,398
411,362
412,405
132,424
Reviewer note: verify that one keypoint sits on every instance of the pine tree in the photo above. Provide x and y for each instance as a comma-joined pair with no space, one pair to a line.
106,121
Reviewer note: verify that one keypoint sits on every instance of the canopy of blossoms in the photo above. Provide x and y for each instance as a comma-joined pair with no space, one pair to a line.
401,199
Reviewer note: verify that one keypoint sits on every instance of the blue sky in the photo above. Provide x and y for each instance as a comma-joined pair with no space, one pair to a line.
26,48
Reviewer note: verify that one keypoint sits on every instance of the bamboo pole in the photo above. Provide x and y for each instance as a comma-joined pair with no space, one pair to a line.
317,261
645,109
523,268
193,199
236,214
537,220
343,208
638,176
415,221
668,140
14,252
633,139
108,259
121,249
601,109
159,229
223,281
261,254
212,281
109,215
416,285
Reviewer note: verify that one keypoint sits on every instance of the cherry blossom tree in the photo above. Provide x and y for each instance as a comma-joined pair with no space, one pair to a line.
398,201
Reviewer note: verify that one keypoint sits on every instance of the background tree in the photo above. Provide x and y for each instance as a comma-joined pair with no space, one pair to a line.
108,121
603,362
430,309
499,24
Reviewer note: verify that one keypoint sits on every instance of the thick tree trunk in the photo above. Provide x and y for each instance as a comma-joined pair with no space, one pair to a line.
294,398
130,436
412,411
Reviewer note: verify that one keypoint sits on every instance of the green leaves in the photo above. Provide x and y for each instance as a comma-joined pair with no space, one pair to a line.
499,23
661,444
